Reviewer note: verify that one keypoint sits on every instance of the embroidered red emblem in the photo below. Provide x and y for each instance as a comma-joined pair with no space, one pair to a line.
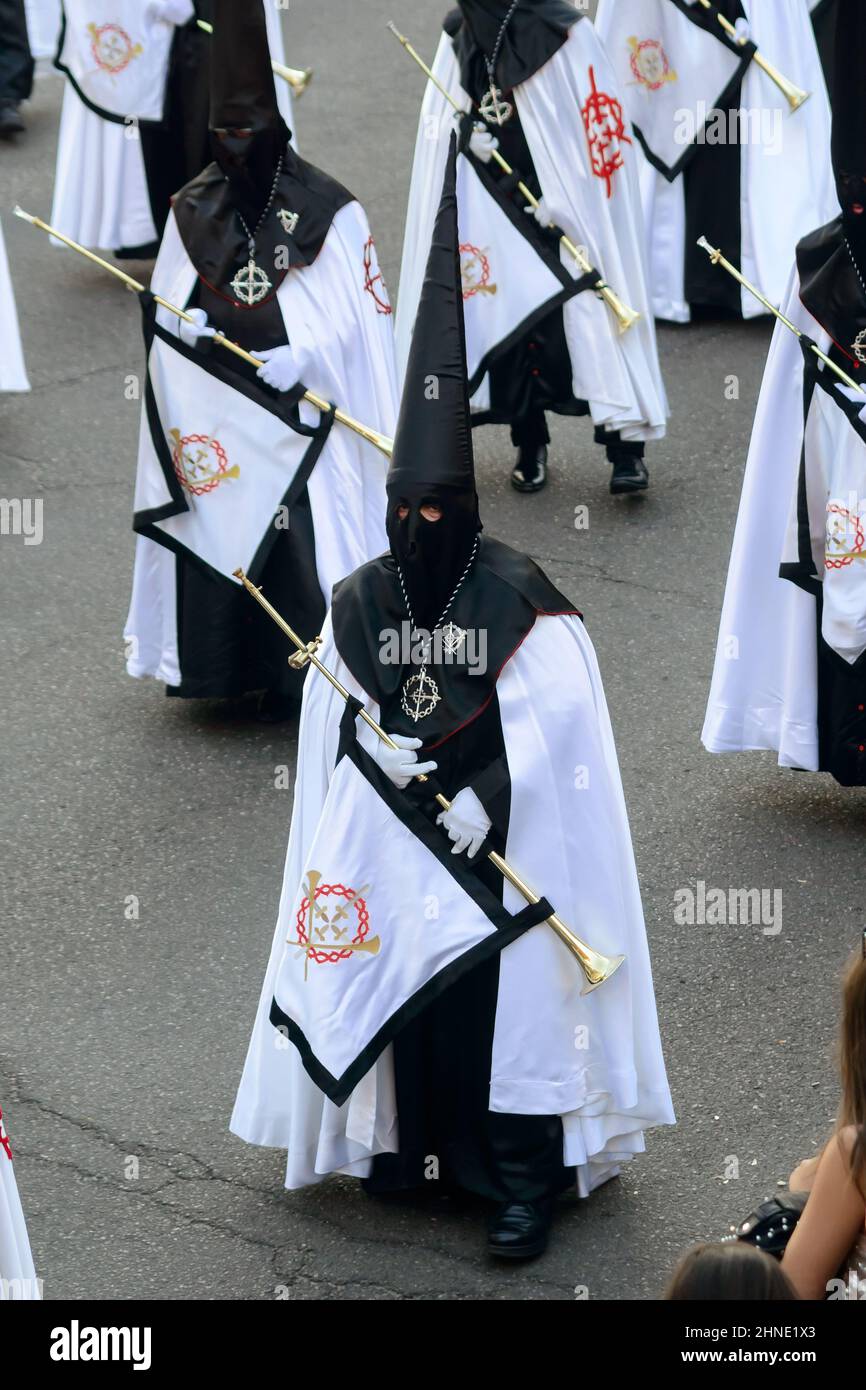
846,538
373,277
605,131
112,48
201,463
4,1138
649,63
475,271
324,932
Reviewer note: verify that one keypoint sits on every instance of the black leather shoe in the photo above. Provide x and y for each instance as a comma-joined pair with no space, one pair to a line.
519,1230
629,474
11,122
530,471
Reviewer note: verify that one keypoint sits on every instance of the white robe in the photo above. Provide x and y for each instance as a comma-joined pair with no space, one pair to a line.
17,1275
764,690
43,26
13,374
618,374
344,348
784,193
594,1059
100,186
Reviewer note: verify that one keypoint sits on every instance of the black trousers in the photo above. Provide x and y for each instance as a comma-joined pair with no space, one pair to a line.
16,60
530,432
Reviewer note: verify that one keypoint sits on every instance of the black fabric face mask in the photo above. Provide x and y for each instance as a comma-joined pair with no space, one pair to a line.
432,555
249,162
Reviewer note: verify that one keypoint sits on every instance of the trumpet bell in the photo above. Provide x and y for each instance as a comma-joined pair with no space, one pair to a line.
599,969
298,79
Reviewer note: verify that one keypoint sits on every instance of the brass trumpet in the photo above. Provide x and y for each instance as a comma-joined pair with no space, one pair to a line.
624,316
794,95
374,437
596,967
298,79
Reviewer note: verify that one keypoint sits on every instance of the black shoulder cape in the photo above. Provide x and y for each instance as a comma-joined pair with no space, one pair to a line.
537,30
503,594
830,287
215,241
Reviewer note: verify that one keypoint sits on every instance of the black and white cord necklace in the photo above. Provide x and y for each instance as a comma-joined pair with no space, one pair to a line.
493,108
251,284
858,347
420,694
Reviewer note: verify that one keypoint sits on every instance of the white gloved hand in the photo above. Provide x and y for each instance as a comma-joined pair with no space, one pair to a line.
467,823
190,333
482,144
170,11
743,28
541,213
280,369
401,763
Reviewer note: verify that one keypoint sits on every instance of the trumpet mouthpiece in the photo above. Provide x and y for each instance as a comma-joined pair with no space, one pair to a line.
396,32
18,211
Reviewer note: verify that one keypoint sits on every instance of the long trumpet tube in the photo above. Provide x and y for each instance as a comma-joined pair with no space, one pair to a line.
717,258
298,79
625,316
596,967
794,95
379,441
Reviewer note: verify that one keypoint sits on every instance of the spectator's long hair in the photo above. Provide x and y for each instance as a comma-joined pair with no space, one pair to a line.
852,1064
731,1270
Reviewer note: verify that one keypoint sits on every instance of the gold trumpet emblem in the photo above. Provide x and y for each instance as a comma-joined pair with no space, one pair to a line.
200,462
323,928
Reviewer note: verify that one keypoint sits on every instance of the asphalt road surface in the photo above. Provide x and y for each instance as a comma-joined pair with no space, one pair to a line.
121,1041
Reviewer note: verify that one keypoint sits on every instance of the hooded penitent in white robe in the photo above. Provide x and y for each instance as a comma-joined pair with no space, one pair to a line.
765,688
101,196
594,1059
17,1276
343,345
786,185
618,374
13,375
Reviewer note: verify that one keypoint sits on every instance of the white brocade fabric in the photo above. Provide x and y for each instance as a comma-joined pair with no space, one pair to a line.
13,374
785,191
618,374
100,187
345,349
594,1059
764,686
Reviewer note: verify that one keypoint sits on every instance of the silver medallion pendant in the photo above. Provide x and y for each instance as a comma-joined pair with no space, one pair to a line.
420,696
453,638
858,347
251,284
493,108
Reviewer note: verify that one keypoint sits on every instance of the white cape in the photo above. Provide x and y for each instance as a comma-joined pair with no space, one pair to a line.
618,374
785,192
100,186
17,1276
594,1059
338,329
13,375
764,688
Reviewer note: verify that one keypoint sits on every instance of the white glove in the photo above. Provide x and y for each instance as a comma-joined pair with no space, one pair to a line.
401,763
482,144
280,369
170,11
744,29
541,213
467,822
190,333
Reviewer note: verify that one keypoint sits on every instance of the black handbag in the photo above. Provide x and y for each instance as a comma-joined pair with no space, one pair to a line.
771,1225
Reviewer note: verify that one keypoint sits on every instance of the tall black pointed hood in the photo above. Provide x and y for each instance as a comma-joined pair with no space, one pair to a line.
242,91
433,441
849,89
433,463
